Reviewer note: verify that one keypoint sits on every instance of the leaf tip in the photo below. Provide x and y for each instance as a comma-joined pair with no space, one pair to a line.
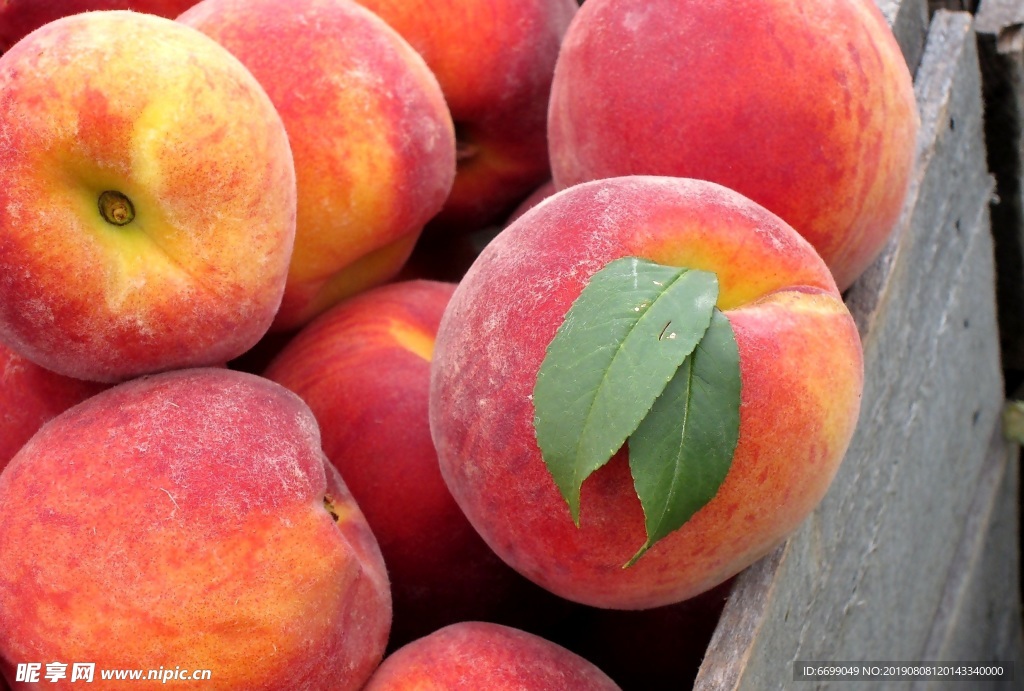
574,508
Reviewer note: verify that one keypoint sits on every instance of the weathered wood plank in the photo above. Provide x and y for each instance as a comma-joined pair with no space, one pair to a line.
976,621
997,15
741,624
1000,28
864,576
909,22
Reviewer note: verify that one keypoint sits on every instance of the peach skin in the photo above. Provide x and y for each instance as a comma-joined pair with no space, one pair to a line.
147,198
189,520
800,364
30,396
807,108
363,367
372,137
494,60
472,655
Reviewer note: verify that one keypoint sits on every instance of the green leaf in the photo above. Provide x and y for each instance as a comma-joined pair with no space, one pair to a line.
681,452
624,337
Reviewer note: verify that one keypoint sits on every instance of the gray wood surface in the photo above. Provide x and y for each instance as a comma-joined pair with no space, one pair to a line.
1000,28
867,574
909,22
975,621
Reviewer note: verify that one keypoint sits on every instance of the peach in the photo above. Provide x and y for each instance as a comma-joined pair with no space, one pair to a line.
494,62
20,17
30,396
800,363
479,655
372,137
147,198
189,520
807,108
363,367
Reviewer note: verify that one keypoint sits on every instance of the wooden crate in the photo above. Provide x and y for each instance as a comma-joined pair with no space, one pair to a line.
914,553
1000,29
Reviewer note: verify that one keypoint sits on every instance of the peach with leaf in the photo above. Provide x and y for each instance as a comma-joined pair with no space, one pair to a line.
641,386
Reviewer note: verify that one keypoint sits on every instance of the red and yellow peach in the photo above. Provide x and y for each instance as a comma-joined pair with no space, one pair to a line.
494,61
189,520
147,198
807,108
800,364
363,367
372,137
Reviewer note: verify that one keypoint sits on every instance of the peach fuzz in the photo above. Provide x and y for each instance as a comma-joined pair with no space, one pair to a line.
372,137
363,367
478,655
20,17
800,363
807,108
147,198
189,519
494,62
30,396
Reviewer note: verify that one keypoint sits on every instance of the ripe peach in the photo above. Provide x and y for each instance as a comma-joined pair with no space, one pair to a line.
805,107
363,367
494,61
31,395
147,198
189,519
800,364
372,137
477,655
